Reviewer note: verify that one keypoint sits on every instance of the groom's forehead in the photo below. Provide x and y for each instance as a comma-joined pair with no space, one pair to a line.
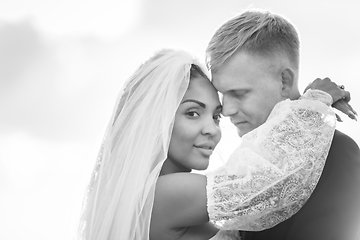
221,84
242,71
225,82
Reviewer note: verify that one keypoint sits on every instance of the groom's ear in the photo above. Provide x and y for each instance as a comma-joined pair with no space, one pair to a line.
288,81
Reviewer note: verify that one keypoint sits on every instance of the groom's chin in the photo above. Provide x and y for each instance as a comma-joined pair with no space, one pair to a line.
240,133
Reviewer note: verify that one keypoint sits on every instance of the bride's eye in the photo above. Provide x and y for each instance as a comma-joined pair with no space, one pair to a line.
192,114
217,118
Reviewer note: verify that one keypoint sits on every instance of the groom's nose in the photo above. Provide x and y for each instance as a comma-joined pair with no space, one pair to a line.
229,107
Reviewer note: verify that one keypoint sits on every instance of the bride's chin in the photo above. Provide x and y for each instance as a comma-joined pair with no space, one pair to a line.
203,167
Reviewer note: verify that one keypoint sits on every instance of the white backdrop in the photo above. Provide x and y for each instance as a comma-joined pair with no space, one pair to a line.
62,64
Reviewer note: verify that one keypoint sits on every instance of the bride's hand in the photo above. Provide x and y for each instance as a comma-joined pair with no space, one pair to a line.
343,106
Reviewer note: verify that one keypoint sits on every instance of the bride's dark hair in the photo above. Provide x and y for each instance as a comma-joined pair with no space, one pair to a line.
196,71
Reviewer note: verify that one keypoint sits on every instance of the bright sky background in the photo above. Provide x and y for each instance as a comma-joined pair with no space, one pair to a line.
62,64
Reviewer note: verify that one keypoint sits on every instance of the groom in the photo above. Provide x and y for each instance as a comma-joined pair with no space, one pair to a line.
254,61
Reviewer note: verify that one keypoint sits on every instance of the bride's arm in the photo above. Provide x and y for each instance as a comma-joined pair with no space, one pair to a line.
179,206
273,172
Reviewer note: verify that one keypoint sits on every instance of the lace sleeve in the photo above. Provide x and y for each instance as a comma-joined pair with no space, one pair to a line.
273,172
314,94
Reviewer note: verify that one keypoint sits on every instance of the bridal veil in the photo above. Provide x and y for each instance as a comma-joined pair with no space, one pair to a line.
120,195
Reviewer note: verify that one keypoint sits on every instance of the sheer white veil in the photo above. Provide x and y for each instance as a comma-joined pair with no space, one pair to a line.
119,198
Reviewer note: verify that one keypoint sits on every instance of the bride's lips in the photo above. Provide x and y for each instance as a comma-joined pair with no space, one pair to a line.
206,150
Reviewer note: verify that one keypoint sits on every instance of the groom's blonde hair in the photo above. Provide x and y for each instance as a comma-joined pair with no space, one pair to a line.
257,32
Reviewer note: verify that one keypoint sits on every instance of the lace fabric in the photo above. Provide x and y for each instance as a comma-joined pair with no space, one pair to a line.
273,172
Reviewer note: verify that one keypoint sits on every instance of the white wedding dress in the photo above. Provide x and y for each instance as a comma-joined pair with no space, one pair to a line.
274,171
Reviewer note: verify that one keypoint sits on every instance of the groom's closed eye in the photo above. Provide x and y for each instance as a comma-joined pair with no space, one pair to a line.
240,92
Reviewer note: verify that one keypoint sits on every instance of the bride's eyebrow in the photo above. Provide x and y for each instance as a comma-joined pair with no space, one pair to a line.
201,104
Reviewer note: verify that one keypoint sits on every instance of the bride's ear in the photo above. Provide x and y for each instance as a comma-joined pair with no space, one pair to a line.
288,81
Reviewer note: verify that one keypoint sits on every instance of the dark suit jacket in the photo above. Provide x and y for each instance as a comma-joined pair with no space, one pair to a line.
333,210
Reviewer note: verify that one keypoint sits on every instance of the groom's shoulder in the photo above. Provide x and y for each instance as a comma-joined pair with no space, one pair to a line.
342,136
344,144
343,159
